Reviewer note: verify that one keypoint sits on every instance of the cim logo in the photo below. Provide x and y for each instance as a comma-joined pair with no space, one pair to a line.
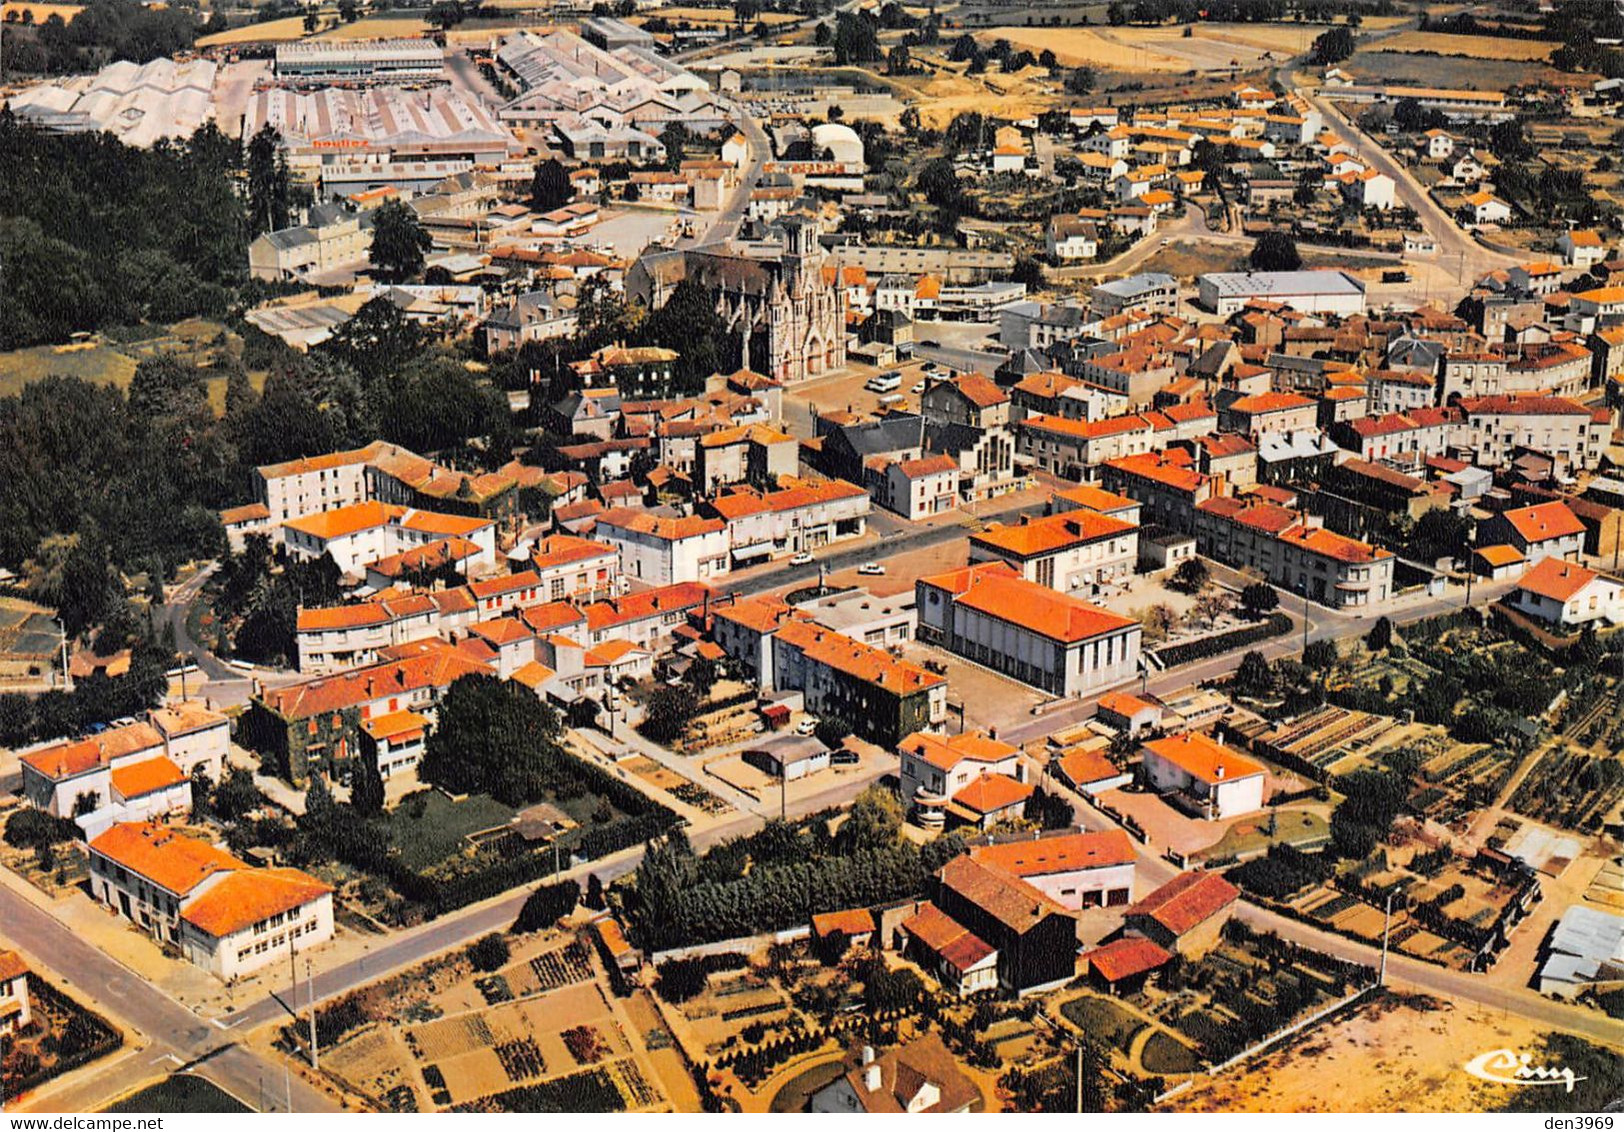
1505,1067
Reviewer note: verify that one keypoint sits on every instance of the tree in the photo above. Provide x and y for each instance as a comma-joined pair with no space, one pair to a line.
348,10
399,242
1211,606
268,182
377,342
1274,251
1254,677
669,710
594,897
1508,142
312,21
550,187
1380,637
1159,621
899,61
1259,598
689,324
492,737
1082,80
1320,656
548,904
488,952
1191,575
874,820
1029,272
1332,46
445,14
856,38
1047,60
940,184
675,140
366,786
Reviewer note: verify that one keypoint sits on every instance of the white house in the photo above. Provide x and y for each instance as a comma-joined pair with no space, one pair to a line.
1204,776
1373,189
363,533
222,914
1567,595
663,551
1076,870
917,489
1484,207
1582,249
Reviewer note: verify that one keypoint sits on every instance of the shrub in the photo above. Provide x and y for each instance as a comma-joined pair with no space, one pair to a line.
489,952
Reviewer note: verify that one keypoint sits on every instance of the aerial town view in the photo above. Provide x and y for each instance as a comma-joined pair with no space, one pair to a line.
835,556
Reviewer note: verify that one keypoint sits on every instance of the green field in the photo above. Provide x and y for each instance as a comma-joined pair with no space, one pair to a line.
426,832
95,363
180,1093
797,1091
1101,1018
1164,1054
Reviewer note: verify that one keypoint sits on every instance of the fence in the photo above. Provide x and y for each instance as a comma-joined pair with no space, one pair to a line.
1295,1027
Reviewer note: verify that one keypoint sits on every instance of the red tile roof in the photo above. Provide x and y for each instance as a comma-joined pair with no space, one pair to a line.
242,899
992,793
1202,758
1038,609
1065,853
1544,521
172,861
147,777
1187,901
1556,579
1125,958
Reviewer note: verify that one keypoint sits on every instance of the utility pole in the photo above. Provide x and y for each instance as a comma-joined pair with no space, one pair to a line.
310,990
1079,1078
1305,618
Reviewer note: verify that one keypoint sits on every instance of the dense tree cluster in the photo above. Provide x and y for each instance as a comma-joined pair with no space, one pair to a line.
495,737
105,31
94,233
792,872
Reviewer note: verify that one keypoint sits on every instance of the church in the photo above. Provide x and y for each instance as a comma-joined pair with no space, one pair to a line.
784,318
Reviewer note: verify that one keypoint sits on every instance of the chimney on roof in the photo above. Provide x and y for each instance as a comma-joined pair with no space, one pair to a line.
868,1055
872,1077
1220,770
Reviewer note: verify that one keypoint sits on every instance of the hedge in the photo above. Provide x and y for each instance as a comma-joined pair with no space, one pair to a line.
1277,624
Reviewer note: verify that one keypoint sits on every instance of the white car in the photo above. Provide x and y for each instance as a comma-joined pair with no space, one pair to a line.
802,559
806,726
917,388
871,568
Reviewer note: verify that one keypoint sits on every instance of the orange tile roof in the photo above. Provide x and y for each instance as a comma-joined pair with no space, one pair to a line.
1058,616
184,718
1126,704
247,513
948,938
1329,544
424,664
1086,430
944,752
396,725
1204,759
343,617
1162,468
505,584
242,899
992,793
1187,901
928,466
858,660
1081,767
138,779
324,463
1270,403
552,615
1051,533
1066,853
659,526
429,556
1544,521
679,597
611,652
1096,498
1126,957
502,630
64,760
1500,554
11,965
533,675
1008,899
979,390
170,860
851,922
1556,579
342,521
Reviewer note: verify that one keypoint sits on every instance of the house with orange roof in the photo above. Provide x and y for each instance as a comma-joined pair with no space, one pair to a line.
1123,965
1166,483
567,566
1127,712
1186,915
754,453
394,742
1087,770
1034,935
800,515
935,769
663,549
988,613
1261,413
1582,248
1076,870
971,399
962,962
220,913
1093,498
918,489
1075,551
880,697
1567,595
363,533
315,725
16,1009
1543,530
1074,449
130,772
1203,776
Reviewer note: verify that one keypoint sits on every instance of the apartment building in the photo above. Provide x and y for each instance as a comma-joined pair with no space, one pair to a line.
1075,551
665,550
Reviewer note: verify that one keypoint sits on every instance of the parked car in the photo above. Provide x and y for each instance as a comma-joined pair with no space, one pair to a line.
871,568
806,726
802,559
843,757
917,388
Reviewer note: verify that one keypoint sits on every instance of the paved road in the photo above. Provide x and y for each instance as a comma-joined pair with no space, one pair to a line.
1323,625
177,1035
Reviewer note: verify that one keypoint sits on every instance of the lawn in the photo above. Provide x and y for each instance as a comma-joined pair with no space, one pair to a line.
1103,1019
428,827
269,31
1475,46
181,1093
378,27
1251,835
797,1091
1164,1054
93,362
